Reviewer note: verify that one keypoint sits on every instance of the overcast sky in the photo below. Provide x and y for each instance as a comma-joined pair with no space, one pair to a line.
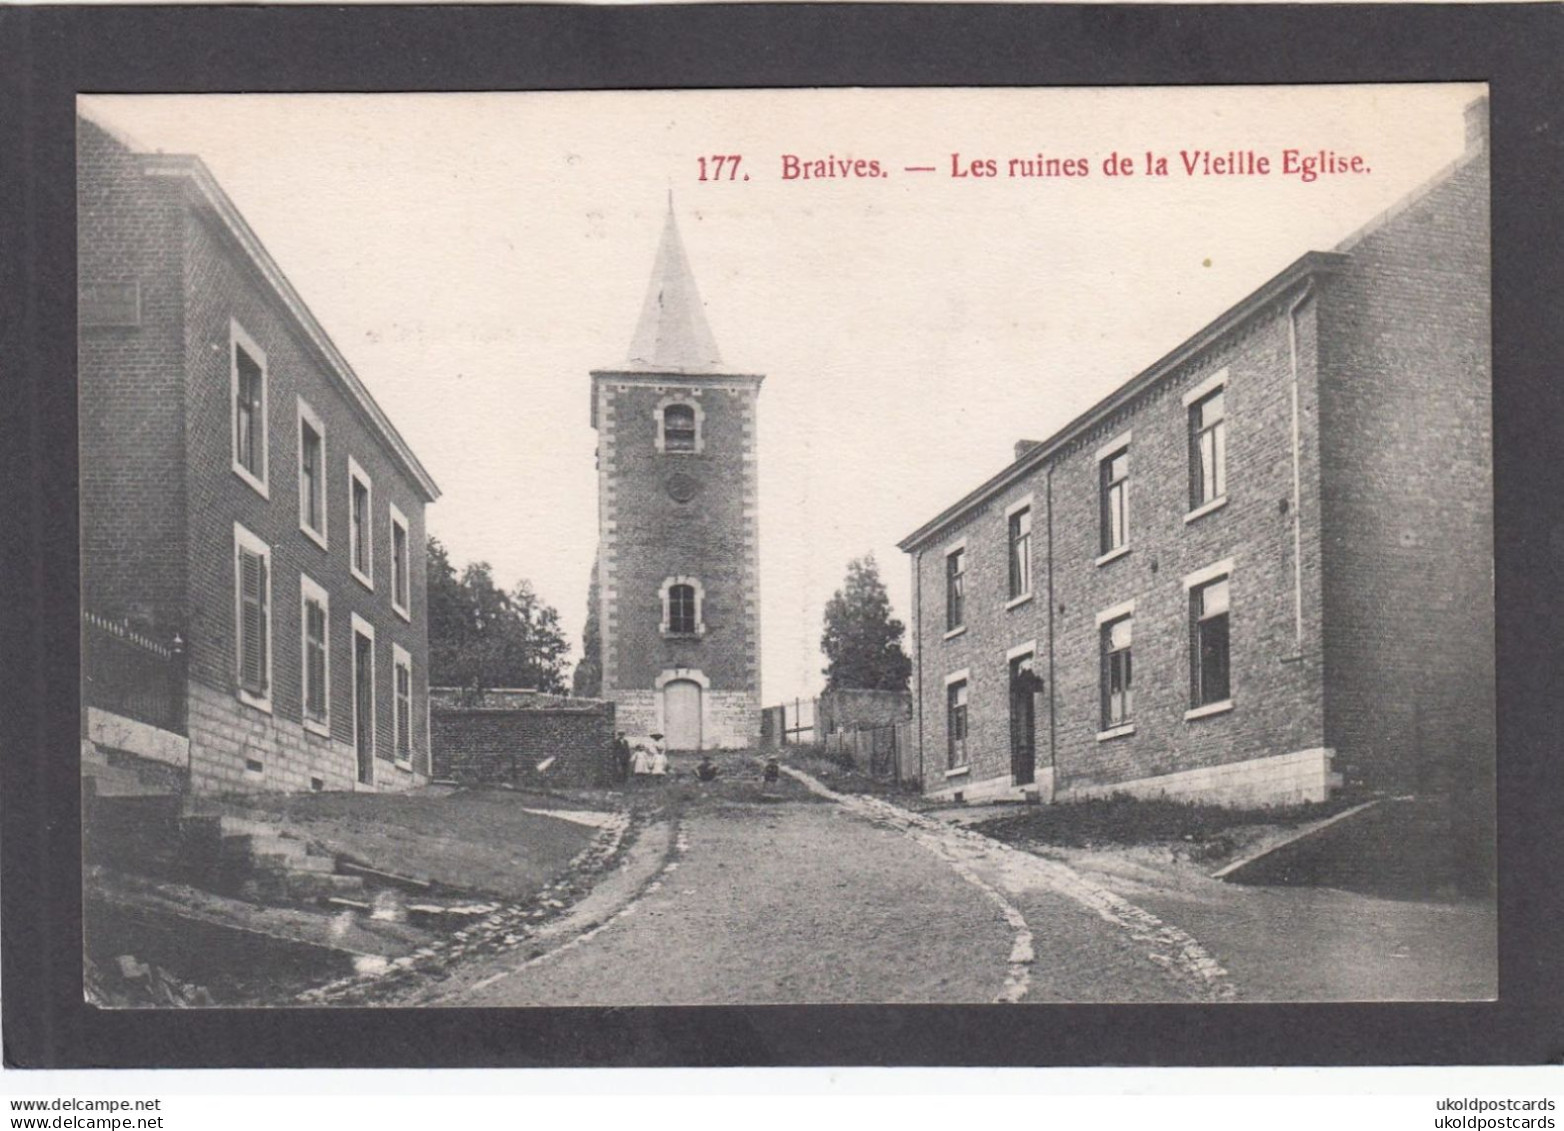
474,256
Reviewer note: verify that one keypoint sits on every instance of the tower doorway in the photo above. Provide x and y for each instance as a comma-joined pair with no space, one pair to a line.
682,714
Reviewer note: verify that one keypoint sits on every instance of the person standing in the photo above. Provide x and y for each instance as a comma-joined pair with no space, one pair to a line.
621,757
659,756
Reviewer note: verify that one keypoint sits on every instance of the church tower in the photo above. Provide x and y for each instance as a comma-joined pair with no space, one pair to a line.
678,567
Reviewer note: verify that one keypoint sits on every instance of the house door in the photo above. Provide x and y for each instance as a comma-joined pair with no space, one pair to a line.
682,714
364,705
1024,686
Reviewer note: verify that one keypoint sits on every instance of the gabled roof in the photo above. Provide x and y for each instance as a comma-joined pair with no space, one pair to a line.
1306,266
212,196
673,336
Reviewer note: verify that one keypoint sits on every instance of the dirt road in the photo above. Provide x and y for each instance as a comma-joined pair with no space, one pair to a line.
801,897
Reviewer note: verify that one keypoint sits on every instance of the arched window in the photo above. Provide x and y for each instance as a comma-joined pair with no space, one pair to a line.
682,600
681,609
679,433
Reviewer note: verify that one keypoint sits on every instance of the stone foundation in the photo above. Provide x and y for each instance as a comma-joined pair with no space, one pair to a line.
115,732
993,789
1258,783
227,735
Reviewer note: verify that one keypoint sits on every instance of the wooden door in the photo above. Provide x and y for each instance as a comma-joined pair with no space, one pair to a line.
1024,686
682,714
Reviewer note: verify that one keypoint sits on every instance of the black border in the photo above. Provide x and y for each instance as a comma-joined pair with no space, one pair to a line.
48,54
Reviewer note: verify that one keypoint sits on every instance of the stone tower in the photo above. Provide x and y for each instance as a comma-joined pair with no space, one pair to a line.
678,567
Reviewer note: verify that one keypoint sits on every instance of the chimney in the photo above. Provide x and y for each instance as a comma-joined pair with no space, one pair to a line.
1477,123
1024,446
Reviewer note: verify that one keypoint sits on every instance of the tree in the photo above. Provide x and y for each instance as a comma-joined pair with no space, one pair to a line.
862,641
480,636
587,680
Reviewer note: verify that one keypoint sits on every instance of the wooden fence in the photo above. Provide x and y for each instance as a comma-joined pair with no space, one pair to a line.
882,752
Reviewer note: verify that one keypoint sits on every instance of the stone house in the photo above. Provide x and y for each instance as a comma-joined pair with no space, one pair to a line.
246,505
1259,570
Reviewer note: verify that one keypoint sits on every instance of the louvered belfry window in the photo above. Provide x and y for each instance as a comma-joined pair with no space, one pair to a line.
679,434
254,622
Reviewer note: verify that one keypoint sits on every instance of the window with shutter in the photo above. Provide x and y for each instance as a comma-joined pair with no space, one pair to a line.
253,647
315,684
402,697
404,713
253,628
679,433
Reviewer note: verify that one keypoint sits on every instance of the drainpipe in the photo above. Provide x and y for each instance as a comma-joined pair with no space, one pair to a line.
1297,471
1053,764
917,652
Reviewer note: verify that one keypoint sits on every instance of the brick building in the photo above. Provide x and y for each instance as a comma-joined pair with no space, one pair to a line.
243,497
678,570
1257,571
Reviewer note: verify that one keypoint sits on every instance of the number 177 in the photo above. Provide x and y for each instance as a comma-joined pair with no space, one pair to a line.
713,167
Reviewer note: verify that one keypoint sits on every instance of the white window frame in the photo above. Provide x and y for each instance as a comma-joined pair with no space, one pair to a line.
361,627
401,567
957,547
1216,571
311,590
1125,610
1021,598
1218,381
237,340
962,676
1117,446
401,658
666,593
700,423
247,540
308,416
357,474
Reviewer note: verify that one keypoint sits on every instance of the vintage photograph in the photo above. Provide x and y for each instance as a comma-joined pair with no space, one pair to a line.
719,547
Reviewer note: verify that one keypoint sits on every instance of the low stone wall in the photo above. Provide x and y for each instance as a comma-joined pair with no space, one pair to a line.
525,746
860,709
496,698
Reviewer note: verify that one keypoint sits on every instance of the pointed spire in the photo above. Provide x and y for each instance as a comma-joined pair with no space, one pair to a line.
672,335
